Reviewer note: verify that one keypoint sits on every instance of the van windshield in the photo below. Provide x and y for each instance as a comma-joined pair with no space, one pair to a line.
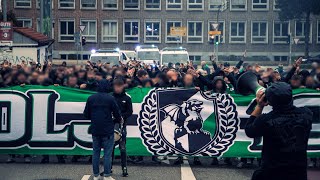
113,60
174,58
148,55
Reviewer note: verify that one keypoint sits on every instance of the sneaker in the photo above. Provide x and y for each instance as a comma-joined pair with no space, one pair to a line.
240,165
310,163
215,162
178,161
96,178
138,160
44,161
125,172
156,160
27,160
197,162
11,160
108,178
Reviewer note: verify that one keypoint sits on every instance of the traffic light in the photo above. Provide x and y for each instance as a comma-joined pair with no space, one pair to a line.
83,40
216,40
289,39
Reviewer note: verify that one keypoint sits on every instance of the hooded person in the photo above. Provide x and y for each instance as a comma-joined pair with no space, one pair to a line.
103,111
285,131
217,85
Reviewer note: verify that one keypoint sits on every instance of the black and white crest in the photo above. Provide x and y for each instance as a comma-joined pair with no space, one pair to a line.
188,122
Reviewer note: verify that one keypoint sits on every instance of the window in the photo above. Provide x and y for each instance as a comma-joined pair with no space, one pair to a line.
301,29
22,3
216,4
195,58
110,4
275,5
281,58
280,32
195,32
221,28
260,5
90,32
152,5
66,30
88,4
131,31
131,4
66,4
195,5
25,22
110,31
152,31
174,4
38,4
238,32
259,32
318,32
169,38
238,5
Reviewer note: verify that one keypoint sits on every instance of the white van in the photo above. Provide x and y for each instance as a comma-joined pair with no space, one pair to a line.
174,55
148,54
112,56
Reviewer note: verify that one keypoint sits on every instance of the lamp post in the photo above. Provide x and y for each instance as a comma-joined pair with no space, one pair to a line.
4,10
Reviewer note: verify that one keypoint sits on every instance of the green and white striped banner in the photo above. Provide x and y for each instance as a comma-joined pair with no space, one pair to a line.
49,120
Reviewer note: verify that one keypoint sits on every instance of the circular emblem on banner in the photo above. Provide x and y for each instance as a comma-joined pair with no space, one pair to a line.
198,125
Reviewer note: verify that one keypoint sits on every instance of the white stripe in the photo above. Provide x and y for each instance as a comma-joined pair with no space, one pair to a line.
133,131
186,171
85,177
70,107
136,108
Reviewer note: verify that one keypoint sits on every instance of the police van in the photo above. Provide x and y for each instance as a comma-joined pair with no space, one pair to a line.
111,56
148,54
174,55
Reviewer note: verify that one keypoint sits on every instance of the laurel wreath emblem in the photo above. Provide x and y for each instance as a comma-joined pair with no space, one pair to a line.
227,127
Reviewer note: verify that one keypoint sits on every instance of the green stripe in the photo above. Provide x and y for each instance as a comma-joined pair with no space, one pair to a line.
137,94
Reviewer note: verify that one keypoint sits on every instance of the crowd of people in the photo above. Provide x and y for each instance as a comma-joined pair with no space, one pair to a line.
218,78
215,77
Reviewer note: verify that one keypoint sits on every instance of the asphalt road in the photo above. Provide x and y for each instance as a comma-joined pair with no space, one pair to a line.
145,171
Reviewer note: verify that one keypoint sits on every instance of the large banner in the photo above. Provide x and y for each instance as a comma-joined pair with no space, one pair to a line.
49,120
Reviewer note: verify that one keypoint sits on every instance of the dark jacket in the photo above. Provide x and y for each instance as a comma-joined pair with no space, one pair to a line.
99,109
285,139
125,105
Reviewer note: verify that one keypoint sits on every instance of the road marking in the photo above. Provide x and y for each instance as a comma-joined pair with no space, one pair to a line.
85,177
186,171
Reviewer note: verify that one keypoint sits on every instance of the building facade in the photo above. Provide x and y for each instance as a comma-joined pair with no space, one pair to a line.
251,25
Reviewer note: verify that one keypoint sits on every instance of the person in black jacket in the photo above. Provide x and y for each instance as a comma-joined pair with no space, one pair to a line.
125,105
285,131
100,109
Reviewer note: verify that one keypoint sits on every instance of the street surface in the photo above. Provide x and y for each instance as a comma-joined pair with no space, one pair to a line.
144,171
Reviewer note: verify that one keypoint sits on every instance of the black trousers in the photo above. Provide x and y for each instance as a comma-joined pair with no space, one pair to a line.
122,148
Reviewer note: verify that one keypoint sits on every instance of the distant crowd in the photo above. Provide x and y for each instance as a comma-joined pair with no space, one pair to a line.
215,77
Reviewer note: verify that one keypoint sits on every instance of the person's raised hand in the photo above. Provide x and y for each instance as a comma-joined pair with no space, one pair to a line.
260,98
83,86
298,62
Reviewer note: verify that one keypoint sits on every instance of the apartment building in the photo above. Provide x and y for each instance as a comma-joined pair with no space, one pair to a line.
251,25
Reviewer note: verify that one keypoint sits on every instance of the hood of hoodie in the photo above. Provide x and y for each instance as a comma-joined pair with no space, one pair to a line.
279,96
224,85
103,86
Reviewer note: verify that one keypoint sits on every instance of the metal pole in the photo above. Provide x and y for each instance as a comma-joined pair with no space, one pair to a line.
290,53
41,16
218,52
4,10
81,47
